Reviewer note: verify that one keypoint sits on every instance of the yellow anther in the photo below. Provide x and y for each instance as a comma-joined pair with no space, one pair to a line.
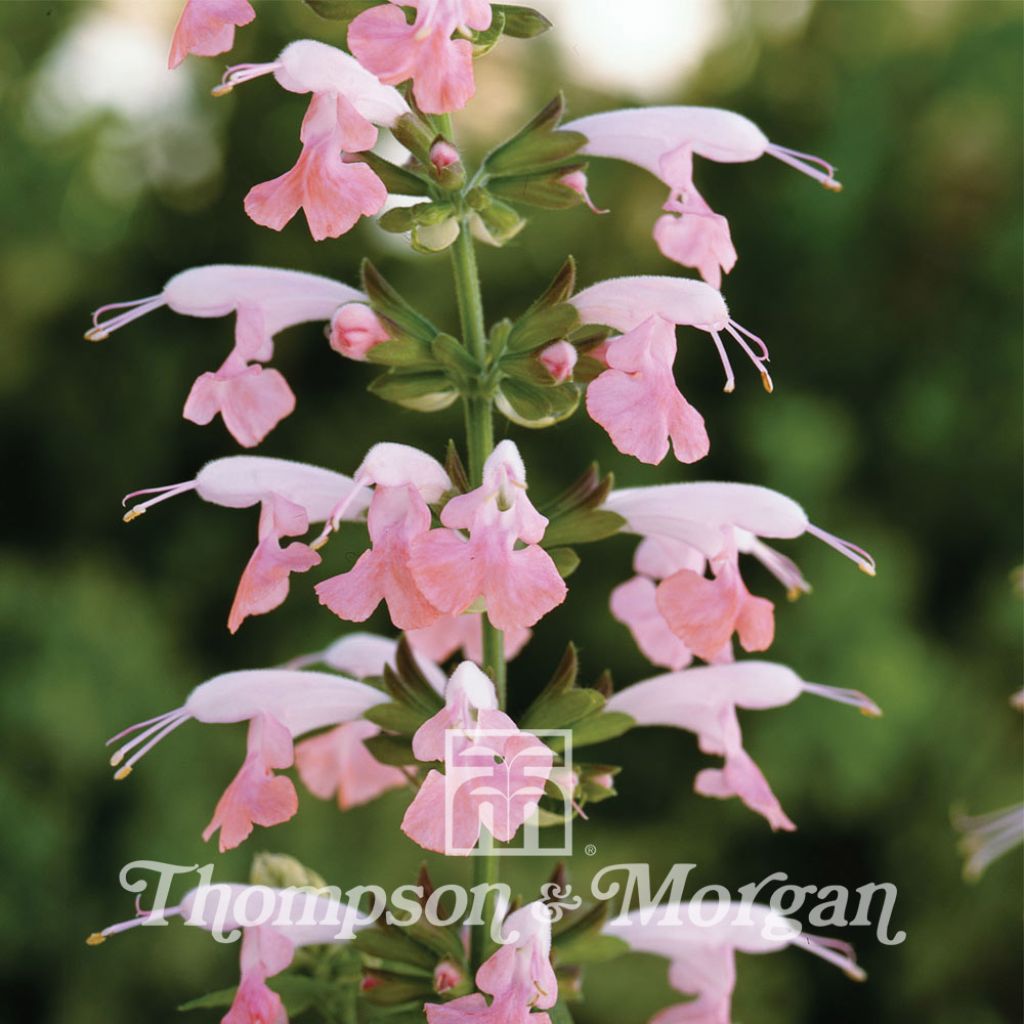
96,939
221,90
766,381
730,387
132,513
123,773
832,185
96,334
868,570
793,594
116,759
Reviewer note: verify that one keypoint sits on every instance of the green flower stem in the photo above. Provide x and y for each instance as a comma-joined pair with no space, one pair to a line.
480,441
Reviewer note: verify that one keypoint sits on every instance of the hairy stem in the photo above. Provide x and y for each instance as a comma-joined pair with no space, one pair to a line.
480,442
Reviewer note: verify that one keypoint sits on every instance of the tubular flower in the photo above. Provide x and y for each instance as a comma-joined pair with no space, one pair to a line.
337,761
701,956
279,705
441,68
519,977
494,773
265,300
405,480
346,106
291,496
462,633
518,586
663,141
636,399
704,701
717,520
295,919
207,28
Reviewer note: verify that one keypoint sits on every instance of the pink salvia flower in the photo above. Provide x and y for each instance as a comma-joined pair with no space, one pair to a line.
467,734
279,704
441,68
463,633
295,919
207,28
663,141
559,359
355,329
405,480
519,977
337,761
265,301
518,586
702,961
291,496
346,106
716,521
704,701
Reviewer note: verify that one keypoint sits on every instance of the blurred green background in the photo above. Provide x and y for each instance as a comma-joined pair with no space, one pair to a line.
893,313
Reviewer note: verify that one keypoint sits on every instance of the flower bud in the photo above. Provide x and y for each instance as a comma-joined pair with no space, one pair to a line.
442,155
559,359
448,976
280,871
577,181
355,329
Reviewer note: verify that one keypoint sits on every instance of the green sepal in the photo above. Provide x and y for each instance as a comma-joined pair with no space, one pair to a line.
396,718
392,750
522,22
537,146
454,357
536,407
386,302
393,989
389,942
582,526
443,941
403,351
407,684
563,711
566,561
456,468
500,223
587,369
397,180
498,339
426,391
416,133
538,328
606,726
485,41
543,190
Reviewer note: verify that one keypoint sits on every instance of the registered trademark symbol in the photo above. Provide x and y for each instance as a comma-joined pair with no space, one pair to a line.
590,849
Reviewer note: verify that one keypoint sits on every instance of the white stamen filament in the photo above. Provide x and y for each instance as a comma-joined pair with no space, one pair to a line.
857,555
835,952
149,738
339,510
783,568
730,377
824,173
133,310
143,916
843,696
237,74
759,361
162,494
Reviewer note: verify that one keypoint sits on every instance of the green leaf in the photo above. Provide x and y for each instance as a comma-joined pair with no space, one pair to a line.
566,561
212,1000
389,304
582,526
536,407
522,22
559,1013
537,146
606,726
452,355
392,750
416,687
427,391
340,10
397,718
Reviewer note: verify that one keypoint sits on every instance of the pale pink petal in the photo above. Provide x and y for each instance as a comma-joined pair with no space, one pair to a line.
701,612
397,465
755,624
471,1009
207,28
256,796
626,302
454,632
338,762
251,399
521,587
741,777
265,580
697,238
398,518
424,820
446,571
633,604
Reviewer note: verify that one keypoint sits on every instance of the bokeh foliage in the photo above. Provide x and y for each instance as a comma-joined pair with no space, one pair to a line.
894,317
